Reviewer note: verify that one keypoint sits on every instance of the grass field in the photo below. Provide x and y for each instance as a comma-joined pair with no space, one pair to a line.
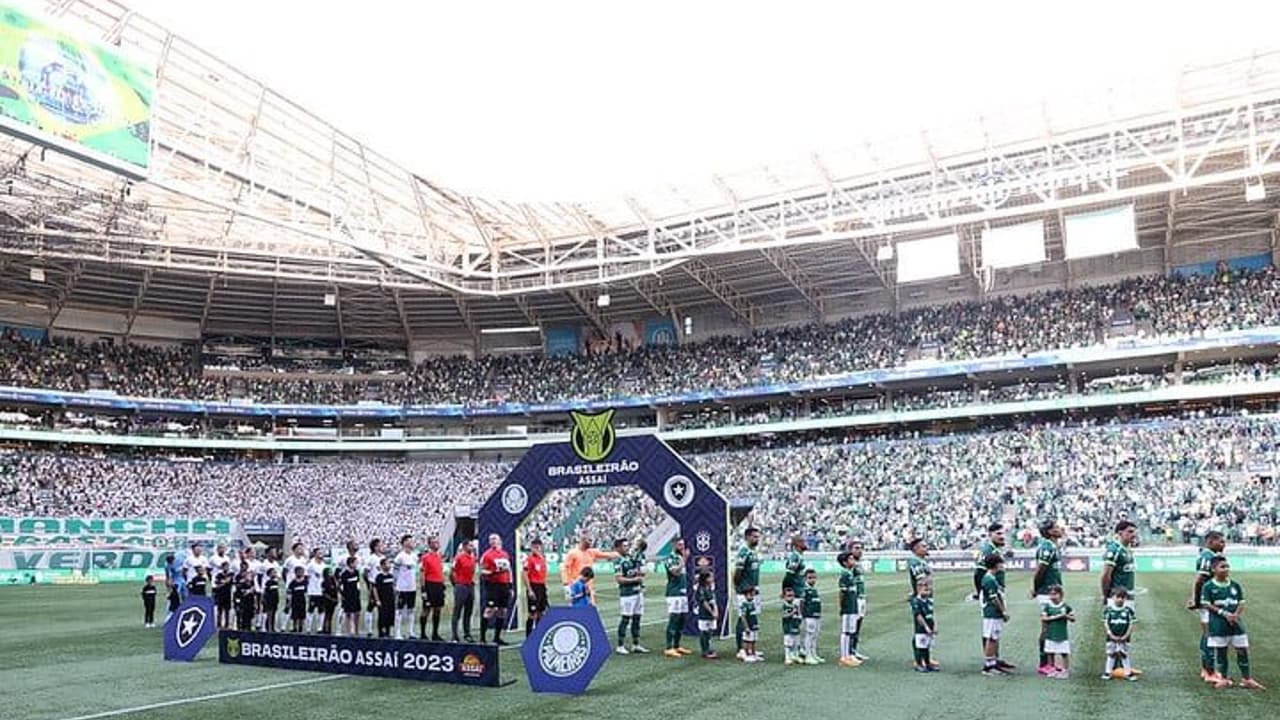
80,652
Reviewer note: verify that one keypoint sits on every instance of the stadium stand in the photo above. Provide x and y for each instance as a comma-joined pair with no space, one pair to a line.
1176,478
1159,306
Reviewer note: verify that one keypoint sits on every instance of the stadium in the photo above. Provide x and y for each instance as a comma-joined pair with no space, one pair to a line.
247,355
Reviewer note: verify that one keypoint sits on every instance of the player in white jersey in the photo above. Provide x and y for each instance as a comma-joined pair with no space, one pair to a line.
297,559
219,562
195,559
405,569
260,581
370,571
315,590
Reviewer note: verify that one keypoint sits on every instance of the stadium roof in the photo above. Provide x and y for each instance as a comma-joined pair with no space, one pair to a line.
254,209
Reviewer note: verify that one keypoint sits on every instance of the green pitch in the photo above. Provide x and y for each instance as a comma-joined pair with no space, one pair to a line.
80,652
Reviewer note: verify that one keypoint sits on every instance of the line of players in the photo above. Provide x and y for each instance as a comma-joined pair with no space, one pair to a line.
255,594
1218,599
252,588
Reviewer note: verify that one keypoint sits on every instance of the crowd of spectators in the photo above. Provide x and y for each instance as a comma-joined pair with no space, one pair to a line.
1161,306
1175,478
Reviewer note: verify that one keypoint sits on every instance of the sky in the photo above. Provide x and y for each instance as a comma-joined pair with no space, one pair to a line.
590,100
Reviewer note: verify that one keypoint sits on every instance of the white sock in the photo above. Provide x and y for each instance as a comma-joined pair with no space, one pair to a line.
1111,663
1124,660
844,644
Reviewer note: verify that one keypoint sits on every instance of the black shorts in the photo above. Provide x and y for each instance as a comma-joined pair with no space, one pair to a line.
315,603
433,595
297,611
406,600
351,604
538,599
497,595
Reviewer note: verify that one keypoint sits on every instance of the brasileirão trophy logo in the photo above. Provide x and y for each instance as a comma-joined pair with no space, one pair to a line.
593,436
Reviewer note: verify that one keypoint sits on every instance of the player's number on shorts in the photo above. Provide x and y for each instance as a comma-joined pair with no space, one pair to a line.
428,663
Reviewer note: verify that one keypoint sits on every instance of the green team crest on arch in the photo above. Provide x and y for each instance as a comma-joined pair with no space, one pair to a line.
592,436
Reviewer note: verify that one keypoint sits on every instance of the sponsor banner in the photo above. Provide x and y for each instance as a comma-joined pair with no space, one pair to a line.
660,331
459,663
565,651
171,532
127,560
188,629
563,341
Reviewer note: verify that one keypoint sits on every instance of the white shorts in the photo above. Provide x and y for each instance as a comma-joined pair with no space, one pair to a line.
862,607
1116,648
630,605
790,640
750,635
924,641
849,623
677,605
1235,641
1204,616
706,626
992,628
812,626
1057,647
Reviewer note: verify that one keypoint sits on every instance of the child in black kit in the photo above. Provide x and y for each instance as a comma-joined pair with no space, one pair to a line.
222,600
246,602
328,600
298,599
149,592
270,600
175,601
385,595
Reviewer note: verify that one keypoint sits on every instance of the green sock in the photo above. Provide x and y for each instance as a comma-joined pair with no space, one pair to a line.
635,629
622,630
1242,659
704,639
1222,661
737,633
853,643
673,631
919,654
1206,655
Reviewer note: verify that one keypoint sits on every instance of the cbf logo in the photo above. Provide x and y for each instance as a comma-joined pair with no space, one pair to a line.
233,647
515,499
593,436
564,650
190,622
702,541
678,491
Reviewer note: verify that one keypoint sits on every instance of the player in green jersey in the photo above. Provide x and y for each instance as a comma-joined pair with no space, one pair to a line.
794,576
708,613
994,545
1054,616
1224,598
1048,574
918,569
994,616
746,573
1117,560
677,595
1214,545
851,588
925,630
749,612
811,606
1118,620
792,619
629,574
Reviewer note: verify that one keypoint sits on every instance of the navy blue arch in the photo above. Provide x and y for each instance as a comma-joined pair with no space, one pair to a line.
642,461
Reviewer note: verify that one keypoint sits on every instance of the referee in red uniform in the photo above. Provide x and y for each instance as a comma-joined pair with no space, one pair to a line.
432,565
535,582
462,573
495,572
